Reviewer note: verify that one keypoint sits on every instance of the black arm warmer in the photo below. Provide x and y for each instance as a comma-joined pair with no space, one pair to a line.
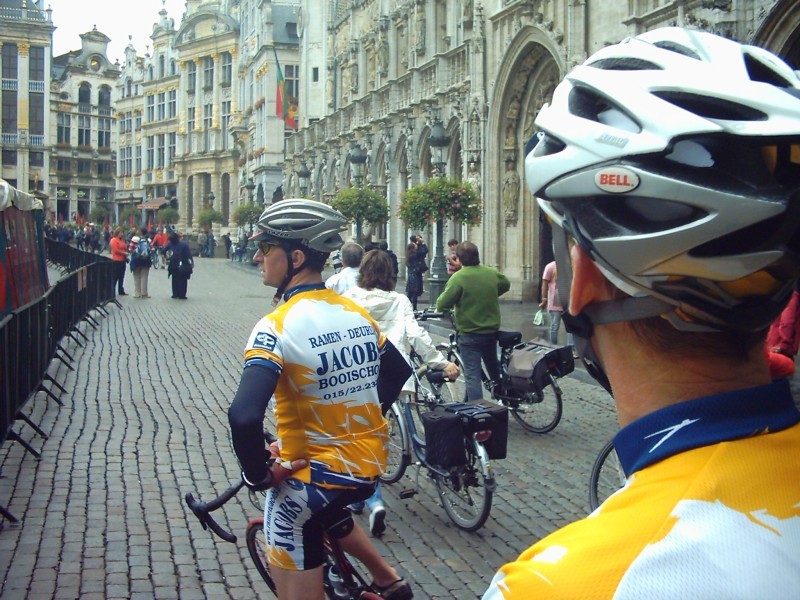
246,418
394,372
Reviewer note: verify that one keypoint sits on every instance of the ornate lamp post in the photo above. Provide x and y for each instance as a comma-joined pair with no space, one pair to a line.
250,186
438,141
358,158
303,176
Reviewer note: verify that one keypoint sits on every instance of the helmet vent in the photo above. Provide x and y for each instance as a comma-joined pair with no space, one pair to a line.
711,108
625,64
762,72
587,104
677,48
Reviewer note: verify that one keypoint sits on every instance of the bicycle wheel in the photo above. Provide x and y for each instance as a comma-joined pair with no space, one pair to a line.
539,412
397,460
257,546
466,493
607,476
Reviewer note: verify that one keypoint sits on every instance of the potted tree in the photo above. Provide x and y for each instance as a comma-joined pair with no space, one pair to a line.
361,205
435,201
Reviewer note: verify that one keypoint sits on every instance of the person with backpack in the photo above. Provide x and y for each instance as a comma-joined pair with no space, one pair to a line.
140,265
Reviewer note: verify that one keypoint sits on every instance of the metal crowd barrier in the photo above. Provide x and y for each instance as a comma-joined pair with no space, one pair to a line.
31,336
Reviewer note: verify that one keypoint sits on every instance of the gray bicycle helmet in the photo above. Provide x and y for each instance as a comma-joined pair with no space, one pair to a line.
673,159
305,223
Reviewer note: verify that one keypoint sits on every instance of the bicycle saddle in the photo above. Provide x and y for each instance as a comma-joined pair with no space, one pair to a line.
506,339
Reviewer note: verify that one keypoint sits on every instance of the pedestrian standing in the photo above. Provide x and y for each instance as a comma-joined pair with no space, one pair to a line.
453,264
180,266
226,239
119,254
552,303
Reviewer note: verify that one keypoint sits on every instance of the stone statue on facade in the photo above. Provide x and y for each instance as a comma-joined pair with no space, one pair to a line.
474,177
510,191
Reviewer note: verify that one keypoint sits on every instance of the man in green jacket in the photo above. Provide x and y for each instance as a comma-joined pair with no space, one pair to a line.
474,291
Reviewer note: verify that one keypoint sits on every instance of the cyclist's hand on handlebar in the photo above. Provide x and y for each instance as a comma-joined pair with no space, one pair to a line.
451,371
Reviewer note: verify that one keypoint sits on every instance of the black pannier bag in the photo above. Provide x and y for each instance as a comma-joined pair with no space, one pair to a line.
479,415
531,362
444,438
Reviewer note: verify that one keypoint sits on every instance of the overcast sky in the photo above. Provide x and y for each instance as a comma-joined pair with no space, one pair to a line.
116,18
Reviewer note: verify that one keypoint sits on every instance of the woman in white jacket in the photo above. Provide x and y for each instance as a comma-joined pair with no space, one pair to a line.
395,316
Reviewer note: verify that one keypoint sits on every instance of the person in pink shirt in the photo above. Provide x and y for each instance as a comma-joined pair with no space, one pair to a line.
551,302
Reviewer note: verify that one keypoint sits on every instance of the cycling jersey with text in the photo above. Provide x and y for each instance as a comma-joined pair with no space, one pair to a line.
710,509
326,350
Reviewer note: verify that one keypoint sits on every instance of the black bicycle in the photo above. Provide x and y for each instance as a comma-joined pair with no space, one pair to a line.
607,475
341,579
539,407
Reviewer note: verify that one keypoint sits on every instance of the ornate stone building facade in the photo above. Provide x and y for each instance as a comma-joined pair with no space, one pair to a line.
84,122
26,30
395,67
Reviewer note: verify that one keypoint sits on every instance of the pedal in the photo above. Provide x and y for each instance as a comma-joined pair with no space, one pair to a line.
408,493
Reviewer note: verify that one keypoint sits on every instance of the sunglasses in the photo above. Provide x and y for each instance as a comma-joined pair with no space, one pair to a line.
266,247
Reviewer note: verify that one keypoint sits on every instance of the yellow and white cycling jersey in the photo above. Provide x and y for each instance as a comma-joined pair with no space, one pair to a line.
710,510
327,408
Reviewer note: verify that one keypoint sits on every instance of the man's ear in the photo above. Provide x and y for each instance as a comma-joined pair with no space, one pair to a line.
298,258
589,285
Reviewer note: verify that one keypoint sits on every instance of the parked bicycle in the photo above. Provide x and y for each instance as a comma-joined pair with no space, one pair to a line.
341,578
537,405
459,465
607,475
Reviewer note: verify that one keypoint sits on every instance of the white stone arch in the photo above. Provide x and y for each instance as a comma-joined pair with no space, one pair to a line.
512,238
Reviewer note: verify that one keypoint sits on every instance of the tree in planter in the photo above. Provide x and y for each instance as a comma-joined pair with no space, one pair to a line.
130,215
361,205
208,216
247,214
168,215
99,213
435,201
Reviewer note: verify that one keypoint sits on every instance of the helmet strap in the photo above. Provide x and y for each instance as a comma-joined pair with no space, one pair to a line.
290,273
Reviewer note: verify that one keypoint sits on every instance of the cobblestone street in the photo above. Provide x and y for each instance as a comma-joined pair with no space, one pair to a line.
144,421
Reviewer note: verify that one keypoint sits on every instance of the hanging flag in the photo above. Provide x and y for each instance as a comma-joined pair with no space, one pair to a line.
284,108
150,224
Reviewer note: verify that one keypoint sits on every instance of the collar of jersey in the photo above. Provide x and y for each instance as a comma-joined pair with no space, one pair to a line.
299,289
705,421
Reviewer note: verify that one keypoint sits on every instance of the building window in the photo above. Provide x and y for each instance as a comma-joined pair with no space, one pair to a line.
84,167
172,148
138,159
192,76
208,111
63,128
315,74
172,104
190,119
160,151
36,63
104,169
172,68
151,108
9,110
36,159
83,193
125,161
84,130
36,115
225,122
151,152
104,132
138,121
9,61
63,165
227,68
10,158
161,66
104,96
208,73
85,93
293,88
162,106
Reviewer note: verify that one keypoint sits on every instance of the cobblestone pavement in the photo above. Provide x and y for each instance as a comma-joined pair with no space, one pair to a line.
144,421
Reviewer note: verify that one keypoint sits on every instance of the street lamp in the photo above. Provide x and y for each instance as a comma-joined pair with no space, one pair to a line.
303,175
358,158
250,186
438,141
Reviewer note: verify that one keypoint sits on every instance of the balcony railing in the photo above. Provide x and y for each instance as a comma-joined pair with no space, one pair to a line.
37,140
36,86
84,108
10,139
10,84
25,14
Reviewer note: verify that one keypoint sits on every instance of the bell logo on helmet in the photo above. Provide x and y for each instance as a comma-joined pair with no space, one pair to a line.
616,180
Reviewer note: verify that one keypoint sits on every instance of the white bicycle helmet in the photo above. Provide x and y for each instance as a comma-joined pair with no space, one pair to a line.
673,159
304,223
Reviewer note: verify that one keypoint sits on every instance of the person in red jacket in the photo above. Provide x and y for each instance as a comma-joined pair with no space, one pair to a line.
119,254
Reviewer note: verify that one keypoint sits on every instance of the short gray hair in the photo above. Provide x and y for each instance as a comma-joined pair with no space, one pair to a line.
352,254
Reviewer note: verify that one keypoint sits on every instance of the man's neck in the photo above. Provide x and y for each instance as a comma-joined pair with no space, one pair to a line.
644,381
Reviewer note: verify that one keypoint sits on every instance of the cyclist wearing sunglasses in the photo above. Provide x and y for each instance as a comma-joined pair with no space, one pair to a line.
330,368
669,168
